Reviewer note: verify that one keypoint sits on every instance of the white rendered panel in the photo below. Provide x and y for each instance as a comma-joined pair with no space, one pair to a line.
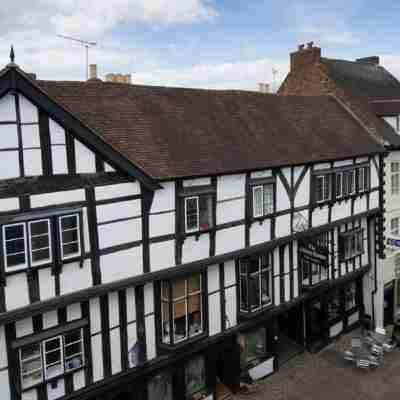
85,224
162,224
113,309
230,211
30,136
164,199
353,318
195,249
74,278
29,112
8,136
24,327
16,291
117,233
5,385
115,343
108,168
260,233
130,305
287,287
336,329
230,273
56,392
277,290
375,173
282,225
57,133
230,307
197,182
120,265
320,216
59,160
50,199
322,166
231,186
3,348
85,159
119,210
117,190
374,200
282,196
79,380
214,316
7,108
213,278
261,174
11,159
33,162
47,286
150,337
360,205
296,283
10,204
148,298
231,239
74,312
342,163
342,210
162,255
95,315
303,192
50,319
132,339
97,358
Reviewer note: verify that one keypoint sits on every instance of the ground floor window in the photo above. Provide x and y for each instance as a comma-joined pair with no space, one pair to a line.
51,357
253,348
160,387
195,378
350,296
334,306
314,269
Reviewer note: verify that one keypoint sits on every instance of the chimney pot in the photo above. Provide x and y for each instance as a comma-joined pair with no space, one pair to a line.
305,56
310,45
301,47
93,71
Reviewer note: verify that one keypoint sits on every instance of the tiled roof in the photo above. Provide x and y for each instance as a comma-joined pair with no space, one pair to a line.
173,132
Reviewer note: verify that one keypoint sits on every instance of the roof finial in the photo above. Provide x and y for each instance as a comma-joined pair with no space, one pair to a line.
12,54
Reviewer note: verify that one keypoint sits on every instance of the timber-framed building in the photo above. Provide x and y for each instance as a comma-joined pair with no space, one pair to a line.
173,243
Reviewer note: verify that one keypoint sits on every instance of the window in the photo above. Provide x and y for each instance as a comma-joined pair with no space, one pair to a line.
198,213
394,226
351,245
40,242
36,235
52,357
314,269
182,300
263,200
253,348
350,296
361,182
339,184
70,236
323,188
349,182
14,245
334,306
395,177
255,283
195,379
160,387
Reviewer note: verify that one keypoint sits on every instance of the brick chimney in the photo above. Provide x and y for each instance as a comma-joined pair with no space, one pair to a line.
305,56
119,78
93,71
369,60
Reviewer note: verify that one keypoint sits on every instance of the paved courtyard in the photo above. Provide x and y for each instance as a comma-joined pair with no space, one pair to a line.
325,376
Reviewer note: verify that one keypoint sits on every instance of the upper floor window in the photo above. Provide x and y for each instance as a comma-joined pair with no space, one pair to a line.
255,283
395,177
182,309
50,358
30,244
351,244
263,200
323,188
349,182
198,213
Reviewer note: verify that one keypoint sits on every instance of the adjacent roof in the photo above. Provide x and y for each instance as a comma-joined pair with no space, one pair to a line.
175,132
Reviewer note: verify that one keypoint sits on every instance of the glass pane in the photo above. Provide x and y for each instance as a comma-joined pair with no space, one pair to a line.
74,362
54,370
258,201
255,347
32,350
350,296
72,337
70,249
70,236
39,228
254,291
194,317
41,255
165,321
268,199
15,246
53,357
15,260
195,376
165,290
179,309
13,232
265,288
69,222
27,367
178,289
192,221
205,211
338,185
52,344
73,349
194,283
243,293
160,387
31,379
254,265
39,242
327,187
334,307
319,188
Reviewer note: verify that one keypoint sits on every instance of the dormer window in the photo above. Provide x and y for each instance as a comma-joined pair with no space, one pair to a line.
15,248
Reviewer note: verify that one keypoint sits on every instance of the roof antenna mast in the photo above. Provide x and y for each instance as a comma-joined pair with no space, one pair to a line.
85,44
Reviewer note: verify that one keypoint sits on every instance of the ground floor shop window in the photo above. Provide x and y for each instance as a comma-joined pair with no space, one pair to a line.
253,348
314,270
160,387
195,379
334,307
350,296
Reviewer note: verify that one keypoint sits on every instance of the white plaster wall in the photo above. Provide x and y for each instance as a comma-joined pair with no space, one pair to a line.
282,197
164,199
79,380
231,239
28,111
16,291
320,216
302,197
150,337
322,166
230,307
46,284
108,168
342,210
59,160
193,249
130,305
260,233
57,133
375,173
277,291
197,182
148,298
115,344
119,210
230,273
7,108
360,205
117,190
214,316
121,265
231,186
113,309
162,255
213,278
342,163
50,319
74,311
85,159
4,385
374,200
74,278
24,327
121,232
132,337
97,358
229,211
33,162
261,174
3,348
282,226
95,315
50,199
11,159
9,136
162,224
30,136
9,204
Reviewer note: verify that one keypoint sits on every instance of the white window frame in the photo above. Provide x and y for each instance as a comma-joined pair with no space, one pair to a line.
352,173
255,189
62,244
60,349
325,177
21,362
50,259
5,254
340,195
82,353
197,198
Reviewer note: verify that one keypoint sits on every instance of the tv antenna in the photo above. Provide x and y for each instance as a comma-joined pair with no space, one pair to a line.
85,44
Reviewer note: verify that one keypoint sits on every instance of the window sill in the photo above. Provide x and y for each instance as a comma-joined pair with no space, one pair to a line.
252,314
179,345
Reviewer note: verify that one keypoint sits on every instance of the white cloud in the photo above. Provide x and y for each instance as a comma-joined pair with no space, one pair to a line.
392,63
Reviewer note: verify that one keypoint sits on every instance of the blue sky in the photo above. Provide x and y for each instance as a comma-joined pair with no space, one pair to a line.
199,43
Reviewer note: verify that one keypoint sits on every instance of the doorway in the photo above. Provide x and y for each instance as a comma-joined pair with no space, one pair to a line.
315,325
